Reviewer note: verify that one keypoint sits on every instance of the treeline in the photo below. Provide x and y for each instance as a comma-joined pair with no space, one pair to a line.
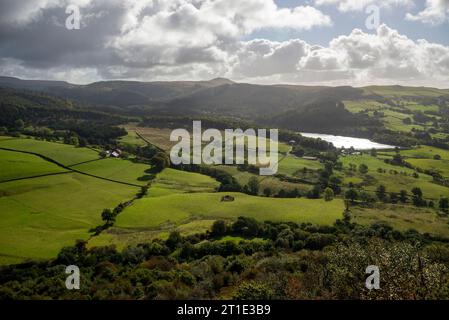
50,118
271,261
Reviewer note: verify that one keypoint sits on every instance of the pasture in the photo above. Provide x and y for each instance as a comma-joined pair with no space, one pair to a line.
40,216
15,165
403,218
63,153
175,209
393,182
118,170
175,181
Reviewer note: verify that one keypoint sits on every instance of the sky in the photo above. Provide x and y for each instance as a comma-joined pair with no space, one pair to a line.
313,42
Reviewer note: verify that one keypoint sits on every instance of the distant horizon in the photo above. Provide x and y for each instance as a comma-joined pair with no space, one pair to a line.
223,78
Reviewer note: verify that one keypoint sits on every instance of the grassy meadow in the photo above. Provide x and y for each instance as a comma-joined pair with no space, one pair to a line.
117,169
63,153
40,216
20,165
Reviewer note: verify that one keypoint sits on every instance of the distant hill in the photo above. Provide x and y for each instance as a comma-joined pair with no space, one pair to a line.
290,106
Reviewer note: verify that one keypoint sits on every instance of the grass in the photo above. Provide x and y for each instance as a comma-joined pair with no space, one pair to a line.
190,213
399,92
177,208
275,184
156,136
423,152
393,182
175,181
117,169
403,218
356,106
441,166
16,165
62,153
40,216
289,165
132,139
122,238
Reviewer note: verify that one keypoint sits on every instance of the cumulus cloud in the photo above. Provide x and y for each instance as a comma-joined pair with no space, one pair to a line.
203,39
436,12
356,59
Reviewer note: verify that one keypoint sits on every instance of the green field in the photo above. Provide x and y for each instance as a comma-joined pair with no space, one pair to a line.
132,139
40,216
177,208
62,153
117,169
275,184
404,218
423,152
190,213
16,165
289,165
175,181
441,166
393,182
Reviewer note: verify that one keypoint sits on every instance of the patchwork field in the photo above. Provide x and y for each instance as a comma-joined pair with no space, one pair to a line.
290,165
40,216
16,165
63,153
117,169
275,184
394,182
154,217
154,211
175,181
404,218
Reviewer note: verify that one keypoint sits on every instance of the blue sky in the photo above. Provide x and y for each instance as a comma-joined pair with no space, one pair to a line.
345,22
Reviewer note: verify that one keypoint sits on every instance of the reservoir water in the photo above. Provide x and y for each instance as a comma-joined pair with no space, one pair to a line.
347,142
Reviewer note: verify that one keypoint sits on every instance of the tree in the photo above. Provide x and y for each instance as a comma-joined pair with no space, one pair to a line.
267,192
363,168
437,157
351,195
403,196
444,204
218,228
174,240
19,124
381,192
108,216
253,186
328,194
160,161
417,197
373,152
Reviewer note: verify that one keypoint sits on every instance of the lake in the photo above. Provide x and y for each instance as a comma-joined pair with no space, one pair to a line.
347,142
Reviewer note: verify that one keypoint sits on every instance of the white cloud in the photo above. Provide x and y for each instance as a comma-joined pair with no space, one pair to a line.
202,39
436,12
355,59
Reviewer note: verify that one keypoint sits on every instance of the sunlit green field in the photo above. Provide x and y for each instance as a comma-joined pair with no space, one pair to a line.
175,181
62,153
40,216
404,218
152,212
275,184
424,152
132,139
393,182
117,169
15,165
290,165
